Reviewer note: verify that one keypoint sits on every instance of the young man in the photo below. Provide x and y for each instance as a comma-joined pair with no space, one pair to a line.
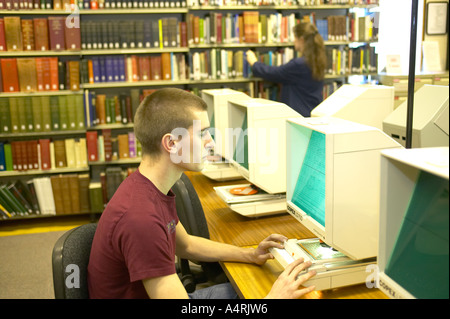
138,235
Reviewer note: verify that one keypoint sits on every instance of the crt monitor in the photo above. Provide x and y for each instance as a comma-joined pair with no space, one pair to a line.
414,223
430,118
333,172
217,101
365,104
258,134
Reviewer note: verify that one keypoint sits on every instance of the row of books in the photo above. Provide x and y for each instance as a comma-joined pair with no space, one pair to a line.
43,154
119,68
70,5
127,4
136,33
51,195
39,74
347,28
220,3
218,64
27,114
106,147
245,27
103,109
39,34
24,114
344,60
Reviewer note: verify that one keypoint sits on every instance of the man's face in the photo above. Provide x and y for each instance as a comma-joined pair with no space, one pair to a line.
195,143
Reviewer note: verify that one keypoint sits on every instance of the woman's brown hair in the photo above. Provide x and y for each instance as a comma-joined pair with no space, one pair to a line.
314,49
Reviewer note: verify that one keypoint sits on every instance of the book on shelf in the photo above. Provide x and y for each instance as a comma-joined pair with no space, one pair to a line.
38,34
49,195
23,114
10,77
39,74
140,33
122,68
344,60
108,147
44,154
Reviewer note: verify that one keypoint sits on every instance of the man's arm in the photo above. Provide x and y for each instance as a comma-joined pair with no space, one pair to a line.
165,287
202,249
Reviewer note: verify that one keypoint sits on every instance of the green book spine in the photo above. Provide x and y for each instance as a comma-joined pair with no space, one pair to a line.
46,116
63,116
8,157
96,197
14,203
29,114
6,205
37,113
108,113
21,114
5,118
14,115
71,112
80,117
54,113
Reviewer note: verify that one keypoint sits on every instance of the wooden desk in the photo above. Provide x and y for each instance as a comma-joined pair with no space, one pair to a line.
252,281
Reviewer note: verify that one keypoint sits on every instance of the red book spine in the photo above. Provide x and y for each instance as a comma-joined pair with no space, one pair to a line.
23,156
32,152
41,34
56,28
9,75
144,68
45,154
46,73
40,74
14,153
2,35
107,144
91,141
183,34
73,37
54,79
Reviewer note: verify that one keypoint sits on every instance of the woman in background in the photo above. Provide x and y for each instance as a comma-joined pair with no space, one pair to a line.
301,78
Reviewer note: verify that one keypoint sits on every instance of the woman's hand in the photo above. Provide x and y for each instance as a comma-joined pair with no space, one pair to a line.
251,57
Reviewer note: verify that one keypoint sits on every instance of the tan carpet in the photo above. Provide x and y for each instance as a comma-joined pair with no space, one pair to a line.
25,265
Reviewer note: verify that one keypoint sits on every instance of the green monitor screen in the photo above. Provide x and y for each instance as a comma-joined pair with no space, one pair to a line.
241,150
419,261
309,192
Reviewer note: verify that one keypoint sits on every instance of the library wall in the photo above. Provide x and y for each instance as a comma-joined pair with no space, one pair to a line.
71,78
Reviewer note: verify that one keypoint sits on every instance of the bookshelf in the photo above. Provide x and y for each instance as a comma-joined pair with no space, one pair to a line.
108,71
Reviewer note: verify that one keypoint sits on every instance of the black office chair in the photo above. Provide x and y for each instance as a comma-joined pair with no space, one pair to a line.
70,259
191,215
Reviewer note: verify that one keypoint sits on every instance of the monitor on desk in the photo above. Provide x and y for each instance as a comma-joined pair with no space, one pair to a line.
365,104
333,173
414,223
217,101
258,151
430,118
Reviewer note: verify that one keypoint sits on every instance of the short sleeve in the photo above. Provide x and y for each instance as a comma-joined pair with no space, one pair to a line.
145,247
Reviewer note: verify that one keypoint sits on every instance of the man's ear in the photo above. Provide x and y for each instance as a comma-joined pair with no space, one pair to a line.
169,143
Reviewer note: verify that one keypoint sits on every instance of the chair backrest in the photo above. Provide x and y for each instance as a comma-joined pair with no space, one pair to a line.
189,208
70,259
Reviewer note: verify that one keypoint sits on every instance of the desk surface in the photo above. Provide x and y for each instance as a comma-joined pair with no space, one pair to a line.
252,281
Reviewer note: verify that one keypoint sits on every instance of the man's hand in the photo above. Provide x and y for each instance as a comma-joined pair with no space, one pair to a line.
251,57
287,286
261,253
